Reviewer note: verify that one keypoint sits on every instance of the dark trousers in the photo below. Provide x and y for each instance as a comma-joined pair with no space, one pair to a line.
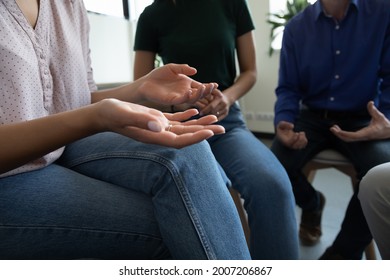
354,235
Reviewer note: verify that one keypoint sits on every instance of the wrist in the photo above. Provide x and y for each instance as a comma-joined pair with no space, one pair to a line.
96,116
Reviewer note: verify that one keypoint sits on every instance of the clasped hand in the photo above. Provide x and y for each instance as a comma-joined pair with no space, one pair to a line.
215,103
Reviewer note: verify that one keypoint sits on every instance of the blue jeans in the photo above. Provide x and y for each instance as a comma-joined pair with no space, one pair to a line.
354,235
263,184
109,197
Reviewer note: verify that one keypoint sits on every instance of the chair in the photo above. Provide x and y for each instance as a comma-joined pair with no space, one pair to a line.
241,212
333,159
325,159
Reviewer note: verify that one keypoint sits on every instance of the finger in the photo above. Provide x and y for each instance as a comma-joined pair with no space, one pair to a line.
287,139
195,93
152,124
168,139
301,141
292,139
182,69
211,97
184,129
217,93
200,91
181,116
335,129
346,136
209,109
143,117
214,107
373,111
222,114
209,89
206,120
200,105
283,125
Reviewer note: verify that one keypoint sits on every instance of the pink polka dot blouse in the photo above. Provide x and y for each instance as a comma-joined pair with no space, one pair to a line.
46,69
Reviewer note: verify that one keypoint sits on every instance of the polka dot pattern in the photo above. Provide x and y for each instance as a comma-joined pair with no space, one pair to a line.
45,70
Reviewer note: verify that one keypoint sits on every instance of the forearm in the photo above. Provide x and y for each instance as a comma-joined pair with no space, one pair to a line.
23,142
160,107
143,65
242,85
126,93
246,55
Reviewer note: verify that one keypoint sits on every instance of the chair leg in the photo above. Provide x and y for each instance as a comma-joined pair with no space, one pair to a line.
370,251
241,212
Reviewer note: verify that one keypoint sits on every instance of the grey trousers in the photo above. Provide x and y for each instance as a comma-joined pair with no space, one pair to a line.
374,196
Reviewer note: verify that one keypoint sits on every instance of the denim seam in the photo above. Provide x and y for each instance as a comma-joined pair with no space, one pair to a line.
91,230
173,170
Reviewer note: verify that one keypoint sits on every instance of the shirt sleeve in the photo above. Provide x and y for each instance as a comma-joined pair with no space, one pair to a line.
84,37
244,18
146,36
288,95
384,97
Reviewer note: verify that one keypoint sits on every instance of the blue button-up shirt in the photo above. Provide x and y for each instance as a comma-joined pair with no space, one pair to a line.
340,66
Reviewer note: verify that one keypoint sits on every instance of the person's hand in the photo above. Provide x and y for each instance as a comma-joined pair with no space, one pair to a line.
291,139
379,128
154,127
216,104
170,85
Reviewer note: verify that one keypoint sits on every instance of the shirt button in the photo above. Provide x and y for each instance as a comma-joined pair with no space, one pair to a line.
46,72
337,27
337,77
338,52
331,98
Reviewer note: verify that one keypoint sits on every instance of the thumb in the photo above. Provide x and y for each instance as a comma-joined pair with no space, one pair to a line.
150,119
182,69
373,111
335,129
155,126
283,125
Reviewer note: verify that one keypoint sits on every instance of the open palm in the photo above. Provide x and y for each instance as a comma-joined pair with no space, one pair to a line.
171,85
379,128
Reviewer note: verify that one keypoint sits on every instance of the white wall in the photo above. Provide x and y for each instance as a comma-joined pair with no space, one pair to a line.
111,42
258,104
111,51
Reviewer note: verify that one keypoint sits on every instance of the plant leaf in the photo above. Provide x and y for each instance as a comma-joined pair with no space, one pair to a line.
280,19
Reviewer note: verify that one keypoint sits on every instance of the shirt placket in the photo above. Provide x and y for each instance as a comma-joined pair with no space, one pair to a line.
38,44
337,52
44,71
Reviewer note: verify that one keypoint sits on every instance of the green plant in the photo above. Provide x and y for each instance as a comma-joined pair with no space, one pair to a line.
280,19
158,61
